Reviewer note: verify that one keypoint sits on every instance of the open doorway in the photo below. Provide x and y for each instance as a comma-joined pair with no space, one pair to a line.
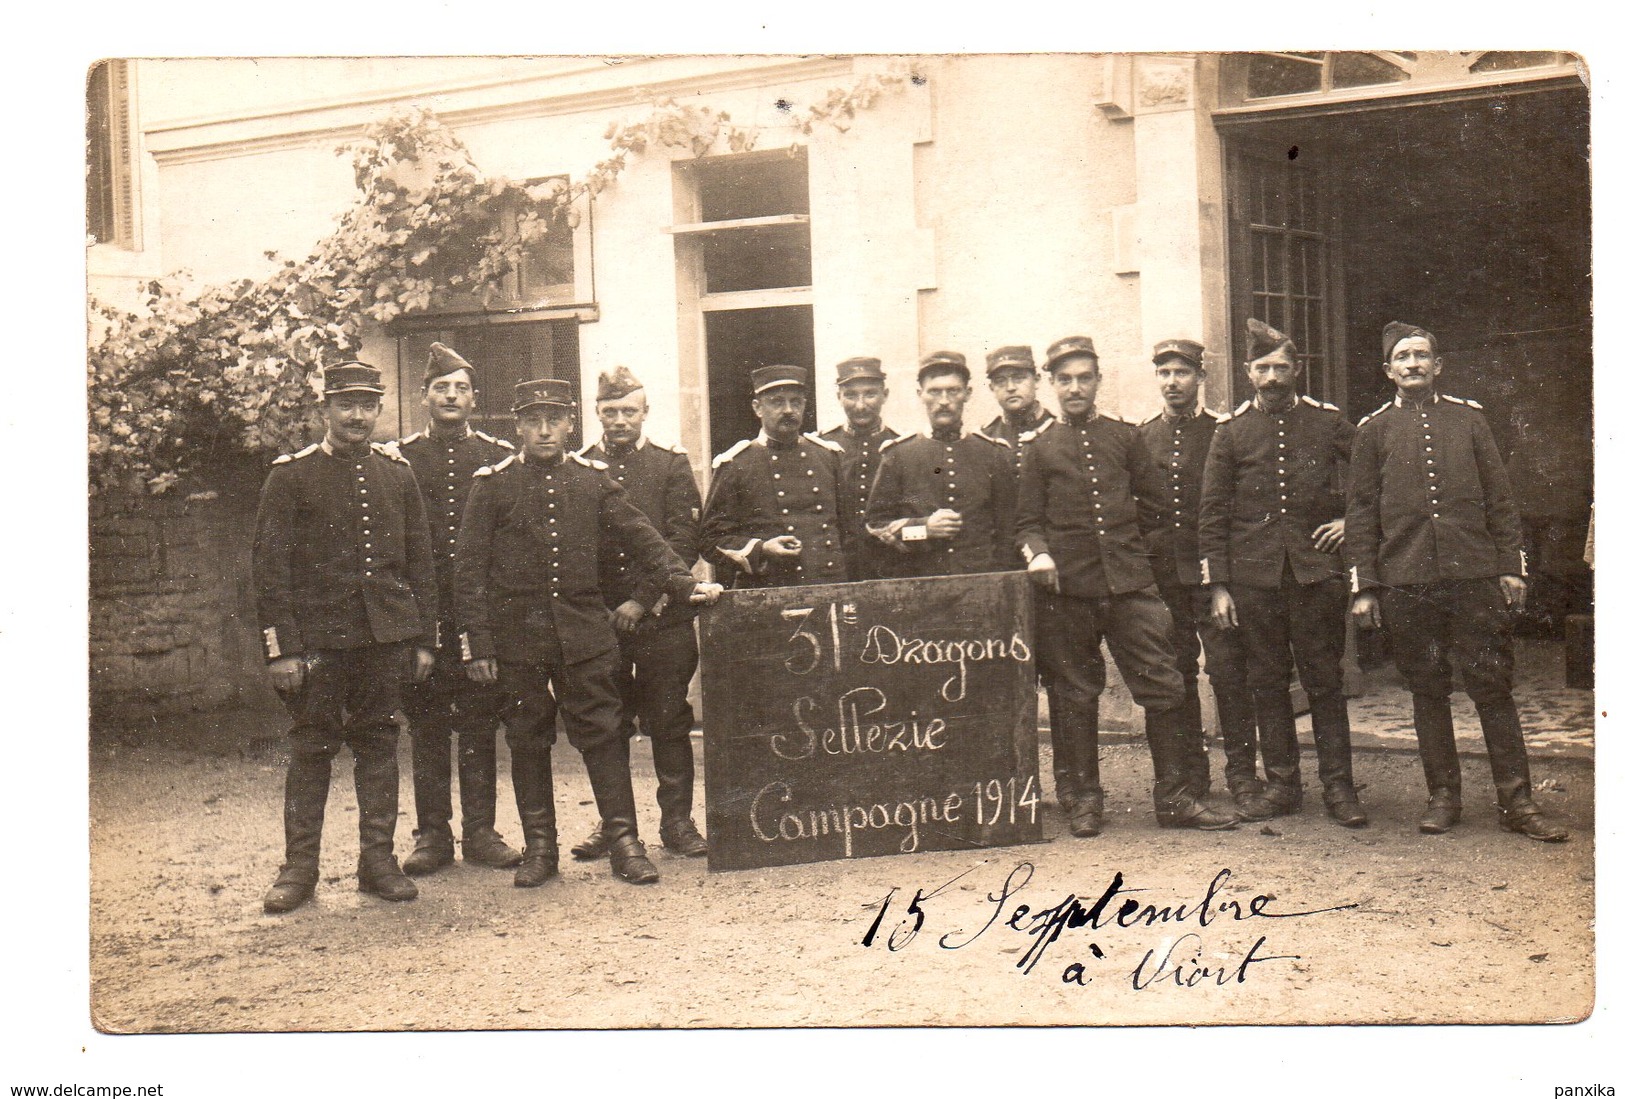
1471,218
738,341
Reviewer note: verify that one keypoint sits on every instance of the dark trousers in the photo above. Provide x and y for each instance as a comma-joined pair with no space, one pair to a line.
656,665
448,705
1427,623
1136,627
1302,625
1198,643
348,697
541,690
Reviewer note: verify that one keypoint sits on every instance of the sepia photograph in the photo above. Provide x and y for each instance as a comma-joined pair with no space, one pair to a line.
726,542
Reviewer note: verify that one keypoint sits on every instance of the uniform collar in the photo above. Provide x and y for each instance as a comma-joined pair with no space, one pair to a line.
1196,411
1260,406
1028,420
772,444
1401,402
605,445
358,451
945,437
1094,414
879,427
430,432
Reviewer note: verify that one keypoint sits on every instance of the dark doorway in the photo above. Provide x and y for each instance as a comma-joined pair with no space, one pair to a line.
1471,218
738,341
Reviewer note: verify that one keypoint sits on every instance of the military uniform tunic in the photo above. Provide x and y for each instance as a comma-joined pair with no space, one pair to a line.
528,557
1014,434
658,482
1179,447
860,461
342,554
1429,497
969,473
762,489
1271,479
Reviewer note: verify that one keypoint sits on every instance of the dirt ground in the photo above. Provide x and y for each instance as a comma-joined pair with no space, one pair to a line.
1474,926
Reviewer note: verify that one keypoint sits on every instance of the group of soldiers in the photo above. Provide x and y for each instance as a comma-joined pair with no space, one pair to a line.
472,584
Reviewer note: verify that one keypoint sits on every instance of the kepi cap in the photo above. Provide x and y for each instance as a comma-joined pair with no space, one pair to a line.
863,367
1015,357
612,387
943,362
1068,347
543,391
352,377
1189,350
764,378
1394,331
1263,340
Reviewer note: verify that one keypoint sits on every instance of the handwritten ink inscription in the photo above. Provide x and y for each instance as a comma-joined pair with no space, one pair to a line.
1180,959
879,718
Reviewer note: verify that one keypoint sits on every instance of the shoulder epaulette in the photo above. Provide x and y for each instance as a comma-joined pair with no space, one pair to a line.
1327,405
1463,400
390,451
671,448
894,442
311,449
412,438
503,443
1208,412
1029,436
1108,416
991,439
1149,420
827,444
486,471
830,430
1237,411
729,454
590,463
1374,415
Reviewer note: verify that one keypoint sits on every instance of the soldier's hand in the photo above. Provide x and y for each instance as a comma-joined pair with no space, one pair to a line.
1041,571
422,665
1224,608
627,616
1367,612
1329,536
944,523
287,672
1515,590
706,593
784,546
483,670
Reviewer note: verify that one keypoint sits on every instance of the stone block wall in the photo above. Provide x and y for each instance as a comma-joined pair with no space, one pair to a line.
171,608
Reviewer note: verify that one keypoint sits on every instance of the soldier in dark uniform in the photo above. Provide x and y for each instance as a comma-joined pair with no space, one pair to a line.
773,516
1089,497
536,530
659,652
444,459
1178,438
861,385
1433,550
944,504
345,590
1012,375
1271,525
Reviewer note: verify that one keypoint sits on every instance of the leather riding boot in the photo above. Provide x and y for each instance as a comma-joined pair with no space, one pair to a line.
1177,806
674,790
1239,731
477,792
1075,731
627,857
377,795
1064,747
1503,740
1194,741
1436,743
1443,811
1278,745
1521,814
595,846
532,760
1329,716
304,806
431,792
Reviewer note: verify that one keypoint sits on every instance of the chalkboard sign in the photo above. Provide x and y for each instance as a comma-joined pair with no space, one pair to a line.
879,718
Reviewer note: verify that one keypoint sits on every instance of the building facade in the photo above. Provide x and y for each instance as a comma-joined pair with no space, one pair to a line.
985,201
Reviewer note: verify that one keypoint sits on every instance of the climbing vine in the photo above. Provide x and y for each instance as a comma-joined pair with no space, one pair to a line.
191,374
